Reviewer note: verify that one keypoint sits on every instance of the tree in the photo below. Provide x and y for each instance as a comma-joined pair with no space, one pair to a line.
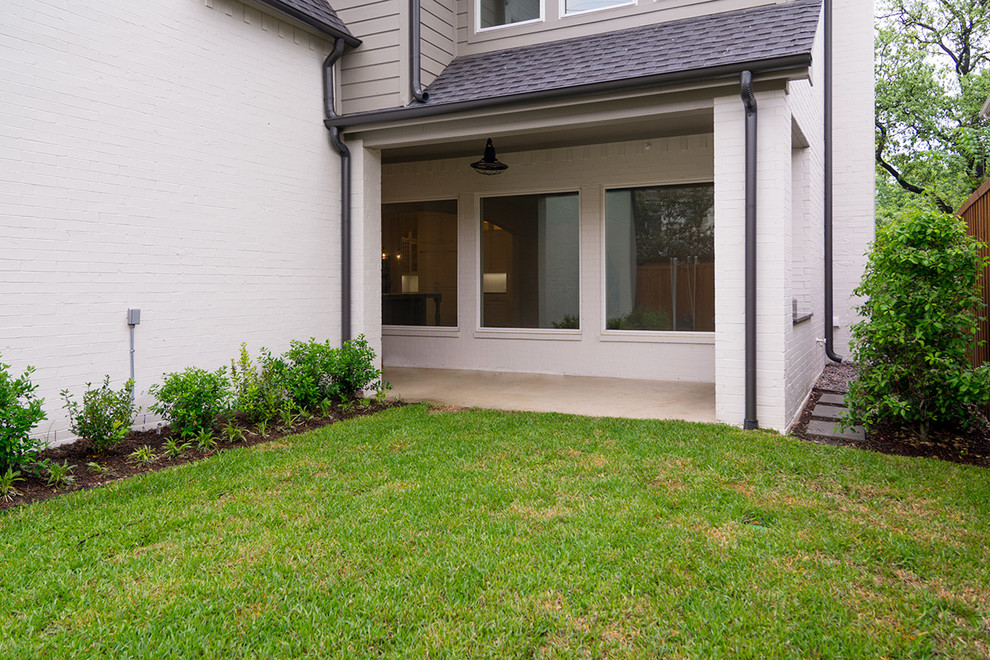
919,320
932,78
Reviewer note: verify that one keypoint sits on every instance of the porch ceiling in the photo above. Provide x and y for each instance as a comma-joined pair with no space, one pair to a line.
528,138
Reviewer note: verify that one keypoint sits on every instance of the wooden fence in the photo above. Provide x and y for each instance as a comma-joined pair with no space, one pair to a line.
976,213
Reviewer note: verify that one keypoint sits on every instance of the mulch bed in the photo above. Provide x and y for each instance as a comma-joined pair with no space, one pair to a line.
958,445
116,462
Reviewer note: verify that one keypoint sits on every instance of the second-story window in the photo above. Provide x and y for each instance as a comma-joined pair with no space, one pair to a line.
576,6
494,13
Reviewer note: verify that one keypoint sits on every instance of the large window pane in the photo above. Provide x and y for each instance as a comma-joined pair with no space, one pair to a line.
419,263
660,258
529,248
502,12
572,6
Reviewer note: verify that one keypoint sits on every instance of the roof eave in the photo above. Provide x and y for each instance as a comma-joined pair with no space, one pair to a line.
302,17
420,110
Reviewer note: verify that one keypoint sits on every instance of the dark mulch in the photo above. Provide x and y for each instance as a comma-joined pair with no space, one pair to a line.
959,445
116,462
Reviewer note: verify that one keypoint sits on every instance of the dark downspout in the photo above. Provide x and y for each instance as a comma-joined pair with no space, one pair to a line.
345,190
829,311
415,51
749,100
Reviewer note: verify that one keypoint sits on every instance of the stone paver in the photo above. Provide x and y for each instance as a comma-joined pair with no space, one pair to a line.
827,429
828,412
835,399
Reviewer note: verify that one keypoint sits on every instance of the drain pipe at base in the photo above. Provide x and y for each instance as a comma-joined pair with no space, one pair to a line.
345,188
829,305
749,100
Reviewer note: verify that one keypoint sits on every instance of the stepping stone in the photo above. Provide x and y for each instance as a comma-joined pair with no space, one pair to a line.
832,430
828,412
834,399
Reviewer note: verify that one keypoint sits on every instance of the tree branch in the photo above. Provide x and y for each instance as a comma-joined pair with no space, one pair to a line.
899,178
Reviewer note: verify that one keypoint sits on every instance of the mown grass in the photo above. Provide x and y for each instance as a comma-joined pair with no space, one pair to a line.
481,533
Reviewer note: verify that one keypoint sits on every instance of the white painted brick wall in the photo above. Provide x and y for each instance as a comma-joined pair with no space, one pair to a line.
162,155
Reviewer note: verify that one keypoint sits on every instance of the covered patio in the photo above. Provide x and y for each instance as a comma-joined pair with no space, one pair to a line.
584,395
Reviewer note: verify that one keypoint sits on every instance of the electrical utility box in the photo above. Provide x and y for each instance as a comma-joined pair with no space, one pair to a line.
133,316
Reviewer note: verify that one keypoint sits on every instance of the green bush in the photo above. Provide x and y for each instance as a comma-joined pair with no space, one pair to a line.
313,371
641,318
105,416
258,391
20,411
919,321
192,400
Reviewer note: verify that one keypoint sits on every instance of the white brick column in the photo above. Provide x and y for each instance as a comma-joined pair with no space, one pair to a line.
773,261
366,244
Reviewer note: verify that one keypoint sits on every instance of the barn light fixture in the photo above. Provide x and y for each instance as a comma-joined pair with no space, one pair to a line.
489,165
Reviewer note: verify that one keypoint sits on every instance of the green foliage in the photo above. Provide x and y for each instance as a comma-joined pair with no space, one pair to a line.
143,455
641,318
7,481
919,322
20,411
105,416
193,399
258,391
569,322
232,432
174,447
93,466
932,77
355,369
262,427
313,371
205,441
60,474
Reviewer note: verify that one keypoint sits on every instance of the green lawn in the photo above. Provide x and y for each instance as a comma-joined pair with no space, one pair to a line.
506,535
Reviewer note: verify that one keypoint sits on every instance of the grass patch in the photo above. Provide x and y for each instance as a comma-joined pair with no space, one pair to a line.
481,533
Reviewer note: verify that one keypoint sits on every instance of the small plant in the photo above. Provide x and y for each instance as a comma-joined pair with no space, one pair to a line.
381,394
366,402
641,318
288,417
205,441
143,455
193,399
258,391
60,474
174,447
262,427
7,481
96,468
326,408
346,406
355,368
105,416
232,432
20,411
569,322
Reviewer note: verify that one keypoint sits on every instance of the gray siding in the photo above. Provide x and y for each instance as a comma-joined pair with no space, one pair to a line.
439,33
373,75
555,26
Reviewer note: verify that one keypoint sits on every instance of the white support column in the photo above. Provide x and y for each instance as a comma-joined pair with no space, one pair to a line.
773,273
366,244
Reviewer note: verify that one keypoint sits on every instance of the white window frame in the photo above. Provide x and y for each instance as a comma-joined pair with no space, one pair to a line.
662,336
563,13
476,6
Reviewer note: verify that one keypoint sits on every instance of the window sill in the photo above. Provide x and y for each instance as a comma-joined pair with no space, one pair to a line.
658,337
420,331
801,319
539,334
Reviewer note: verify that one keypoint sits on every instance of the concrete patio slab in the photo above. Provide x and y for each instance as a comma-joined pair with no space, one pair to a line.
579,395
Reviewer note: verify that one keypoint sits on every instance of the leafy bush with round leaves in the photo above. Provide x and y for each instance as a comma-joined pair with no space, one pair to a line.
105,415
192,400
919,321
20,411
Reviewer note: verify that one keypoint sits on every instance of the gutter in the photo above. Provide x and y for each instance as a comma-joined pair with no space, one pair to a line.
345,188
710,73
415,53
829,288
749,101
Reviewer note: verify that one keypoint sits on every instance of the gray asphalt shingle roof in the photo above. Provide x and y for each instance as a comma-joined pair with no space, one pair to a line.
736,37
317,13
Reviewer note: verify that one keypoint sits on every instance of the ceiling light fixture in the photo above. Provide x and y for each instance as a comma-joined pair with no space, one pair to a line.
489,165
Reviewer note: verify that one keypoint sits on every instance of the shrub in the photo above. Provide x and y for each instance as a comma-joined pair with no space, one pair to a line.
105,416
640,318
355,369
20,411
258,393
192,400
919,321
